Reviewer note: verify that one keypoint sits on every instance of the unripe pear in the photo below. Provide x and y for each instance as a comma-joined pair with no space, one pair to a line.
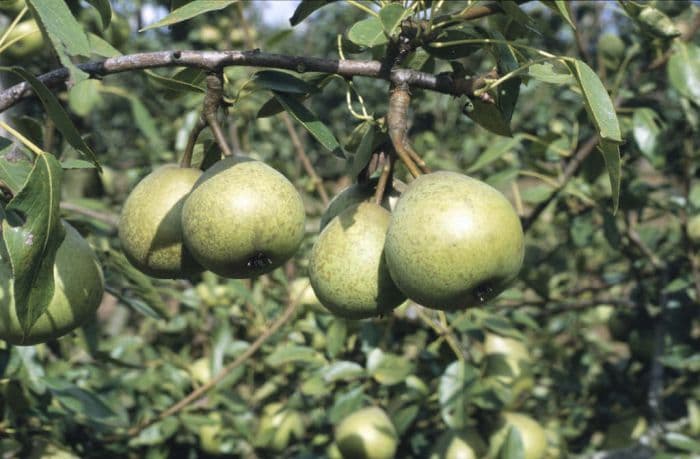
78,290
367,434
458,445
694,229
150,227
453,242
532,435
243,218
355,194
506,358
347,268
31,42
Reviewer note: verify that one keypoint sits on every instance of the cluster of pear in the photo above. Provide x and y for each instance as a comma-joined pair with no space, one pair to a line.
240,218
78,290
449,242
369,433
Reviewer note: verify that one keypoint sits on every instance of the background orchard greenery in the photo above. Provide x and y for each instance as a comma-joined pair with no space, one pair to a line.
605,312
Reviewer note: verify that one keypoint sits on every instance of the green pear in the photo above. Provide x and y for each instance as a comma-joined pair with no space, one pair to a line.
355,194
150,228
78,290
532,436
693,229
347,268
453,241
243,218
29,40
455,444
367,434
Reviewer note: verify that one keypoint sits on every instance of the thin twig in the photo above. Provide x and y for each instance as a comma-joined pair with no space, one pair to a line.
201,390
303,157
384,178
105,217
442,332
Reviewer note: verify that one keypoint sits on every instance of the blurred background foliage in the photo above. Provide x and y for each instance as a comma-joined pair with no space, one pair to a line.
605,310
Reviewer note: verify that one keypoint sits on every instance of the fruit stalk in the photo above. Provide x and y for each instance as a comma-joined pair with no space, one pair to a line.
186,160
397,120
212,102
387,162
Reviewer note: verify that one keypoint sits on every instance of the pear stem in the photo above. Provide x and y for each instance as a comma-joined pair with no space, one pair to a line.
186,160
387,161
212,102
397,121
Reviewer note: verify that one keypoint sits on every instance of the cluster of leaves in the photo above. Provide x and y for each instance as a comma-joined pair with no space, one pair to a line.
606,302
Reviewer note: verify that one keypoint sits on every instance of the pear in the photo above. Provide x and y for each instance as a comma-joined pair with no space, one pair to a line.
455,444
355,194
367,433
243,218
532,436
78,290
150,228
347,268
453,241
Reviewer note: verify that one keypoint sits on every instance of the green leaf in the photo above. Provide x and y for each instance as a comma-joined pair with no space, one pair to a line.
310,121
561,7
645,129
657,23
368,32
190,10
76,164
102,47
446,44
492,153
488,116
84,96
453,393
336,335
547,72
364,150
346,403
31,246
598,103
388,369
183,81
611,154
14,166
684,70
305,8
104,8
507,93
288,354
57,113
682,442
512,447
276,80
81,401
391,17
64,31
513,11
342,371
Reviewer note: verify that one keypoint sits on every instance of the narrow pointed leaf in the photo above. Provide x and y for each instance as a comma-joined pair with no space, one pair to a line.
684,70
276,80
14,166
560,6
31,246
310,121
57,113
611,153
306,8
103,7
190,10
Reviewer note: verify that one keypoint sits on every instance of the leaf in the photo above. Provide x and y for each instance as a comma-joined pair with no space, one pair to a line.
682,442
276,80
512,447
102,47
289,354
342,371
305,8
446,44
310,121
598,103
84,96
57,113
391,17
488,116
388,369
684,70
76,164
364,150
14,166
513,11
611,154
190,10
31,246
336,335
645,129
492,153
64,31
80,401
453,393
508,92
561,7
183,80
547,73
103,7
657,23
368,32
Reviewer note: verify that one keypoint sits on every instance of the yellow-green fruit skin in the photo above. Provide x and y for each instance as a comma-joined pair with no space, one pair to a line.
453,242
31,42
694,229
347,269
243,218
506,358
78,290
458,445
532,435
354,194
367,434
150,226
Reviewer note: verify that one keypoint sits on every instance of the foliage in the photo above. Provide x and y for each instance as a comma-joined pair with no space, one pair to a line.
585,114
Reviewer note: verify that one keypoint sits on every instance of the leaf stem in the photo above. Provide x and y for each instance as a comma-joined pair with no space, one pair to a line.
25,141
186,160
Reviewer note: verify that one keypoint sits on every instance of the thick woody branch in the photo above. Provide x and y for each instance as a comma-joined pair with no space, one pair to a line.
215,60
